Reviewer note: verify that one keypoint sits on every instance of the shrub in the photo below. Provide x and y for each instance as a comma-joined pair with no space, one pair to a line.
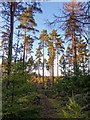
72,110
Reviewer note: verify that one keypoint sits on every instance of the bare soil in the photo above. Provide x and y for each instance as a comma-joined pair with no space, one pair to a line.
48,111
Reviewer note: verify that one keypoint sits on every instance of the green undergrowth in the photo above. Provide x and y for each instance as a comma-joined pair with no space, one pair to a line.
79,87
72,109
25,104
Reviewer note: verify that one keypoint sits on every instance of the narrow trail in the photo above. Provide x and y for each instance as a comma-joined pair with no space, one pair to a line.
48,111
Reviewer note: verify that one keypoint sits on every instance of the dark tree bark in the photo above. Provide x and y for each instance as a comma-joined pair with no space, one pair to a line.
10,44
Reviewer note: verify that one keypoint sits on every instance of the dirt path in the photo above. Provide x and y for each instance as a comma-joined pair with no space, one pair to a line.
47,108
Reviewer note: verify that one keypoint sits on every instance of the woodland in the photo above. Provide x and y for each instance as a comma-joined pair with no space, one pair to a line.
27,92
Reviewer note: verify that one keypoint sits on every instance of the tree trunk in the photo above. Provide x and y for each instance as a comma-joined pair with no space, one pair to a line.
38,72
52,68
74,53
52,72
24,46
12,10
83,66
43,64
57,65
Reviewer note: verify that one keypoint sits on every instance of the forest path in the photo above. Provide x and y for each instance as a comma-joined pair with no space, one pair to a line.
48,111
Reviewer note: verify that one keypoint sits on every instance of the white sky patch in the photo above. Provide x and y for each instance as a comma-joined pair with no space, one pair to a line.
47,73
55,68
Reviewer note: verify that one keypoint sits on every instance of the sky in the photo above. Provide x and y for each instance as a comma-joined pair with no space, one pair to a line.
48,8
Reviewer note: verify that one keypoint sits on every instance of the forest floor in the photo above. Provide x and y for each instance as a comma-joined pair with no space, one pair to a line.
47,108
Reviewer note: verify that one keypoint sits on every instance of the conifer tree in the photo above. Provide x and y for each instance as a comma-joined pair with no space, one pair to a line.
43,37
10,10
27,23
38,59
69,61
82,53
50,62
62,62
73,29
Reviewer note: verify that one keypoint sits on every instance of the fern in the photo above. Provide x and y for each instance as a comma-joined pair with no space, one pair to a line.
72,110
